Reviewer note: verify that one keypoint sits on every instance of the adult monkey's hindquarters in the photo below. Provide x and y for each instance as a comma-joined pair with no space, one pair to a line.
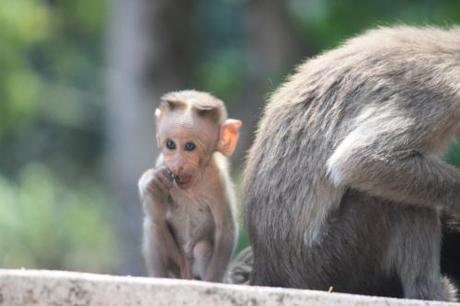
344,185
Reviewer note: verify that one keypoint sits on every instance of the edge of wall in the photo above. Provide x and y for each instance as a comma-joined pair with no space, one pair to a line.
42,287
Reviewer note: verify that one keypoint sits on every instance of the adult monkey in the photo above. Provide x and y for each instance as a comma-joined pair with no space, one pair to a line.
344,185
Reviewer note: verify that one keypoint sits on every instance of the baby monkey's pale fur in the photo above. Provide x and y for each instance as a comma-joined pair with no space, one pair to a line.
188,198
344,184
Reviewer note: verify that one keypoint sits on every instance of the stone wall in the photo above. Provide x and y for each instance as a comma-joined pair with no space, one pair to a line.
39,287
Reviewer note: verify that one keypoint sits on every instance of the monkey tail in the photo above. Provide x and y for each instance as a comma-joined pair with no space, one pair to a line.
450,251
240,268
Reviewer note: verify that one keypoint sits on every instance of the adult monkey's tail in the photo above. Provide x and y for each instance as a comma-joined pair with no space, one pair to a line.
240,268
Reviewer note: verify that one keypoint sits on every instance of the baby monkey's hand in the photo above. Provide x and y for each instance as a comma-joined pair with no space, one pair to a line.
156,183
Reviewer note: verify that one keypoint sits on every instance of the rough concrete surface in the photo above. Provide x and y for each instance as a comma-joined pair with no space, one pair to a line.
56,288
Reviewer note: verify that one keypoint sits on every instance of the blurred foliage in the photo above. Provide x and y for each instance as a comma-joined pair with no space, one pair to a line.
453,154
46,224
53,207
51,89
327,23
319,24
220,58
22,24
53,203
223,73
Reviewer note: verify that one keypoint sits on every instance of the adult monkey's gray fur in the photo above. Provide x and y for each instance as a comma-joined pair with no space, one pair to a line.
344,184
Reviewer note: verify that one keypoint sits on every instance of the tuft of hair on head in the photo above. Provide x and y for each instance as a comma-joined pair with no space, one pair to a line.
202,104
171,102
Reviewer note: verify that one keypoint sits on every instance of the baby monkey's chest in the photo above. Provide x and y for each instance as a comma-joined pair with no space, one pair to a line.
190,220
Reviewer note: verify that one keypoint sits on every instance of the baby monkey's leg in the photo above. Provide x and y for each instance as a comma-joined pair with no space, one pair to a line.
202,253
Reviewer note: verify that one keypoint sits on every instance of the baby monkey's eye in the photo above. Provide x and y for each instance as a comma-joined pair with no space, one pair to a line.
189,146
170,144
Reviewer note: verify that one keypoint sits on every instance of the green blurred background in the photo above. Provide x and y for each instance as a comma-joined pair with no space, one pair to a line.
79,81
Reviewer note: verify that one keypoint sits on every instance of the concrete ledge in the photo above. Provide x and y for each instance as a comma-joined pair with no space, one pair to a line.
39,287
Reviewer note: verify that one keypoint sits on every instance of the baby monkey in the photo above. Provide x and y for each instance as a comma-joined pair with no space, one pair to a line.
188,198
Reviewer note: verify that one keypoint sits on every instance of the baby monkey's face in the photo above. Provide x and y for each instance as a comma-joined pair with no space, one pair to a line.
187,151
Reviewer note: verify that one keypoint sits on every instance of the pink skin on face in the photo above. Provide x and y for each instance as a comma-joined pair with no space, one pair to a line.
182,129
185,166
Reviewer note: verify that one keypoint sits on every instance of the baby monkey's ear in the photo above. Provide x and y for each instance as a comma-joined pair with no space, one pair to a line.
229,135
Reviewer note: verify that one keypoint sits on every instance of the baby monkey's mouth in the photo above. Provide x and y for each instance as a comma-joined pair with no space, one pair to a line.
182,181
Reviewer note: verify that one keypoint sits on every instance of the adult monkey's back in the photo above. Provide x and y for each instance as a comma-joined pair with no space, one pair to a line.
344,184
